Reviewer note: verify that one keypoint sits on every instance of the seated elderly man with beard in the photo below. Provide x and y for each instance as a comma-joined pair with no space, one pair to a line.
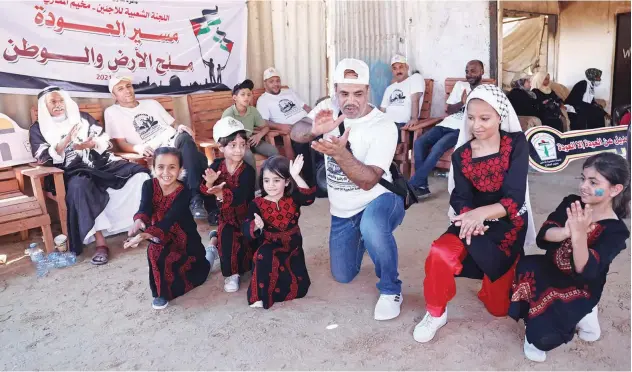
102,191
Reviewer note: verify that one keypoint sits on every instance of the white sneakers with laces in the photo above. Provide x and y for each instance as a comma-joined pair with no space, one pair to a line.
231,284
588,328
388,306
428,327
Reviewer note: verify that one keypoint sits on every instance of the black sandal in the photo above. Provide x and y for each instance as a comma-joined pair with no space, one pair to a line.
101,255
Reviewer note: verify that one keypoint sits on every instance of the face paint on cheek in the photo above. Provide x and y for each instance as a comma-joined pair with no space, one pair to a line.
599,192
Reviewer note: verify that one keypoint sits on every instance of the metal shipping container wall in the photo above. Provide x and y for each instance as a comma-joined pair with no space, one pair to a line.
437,37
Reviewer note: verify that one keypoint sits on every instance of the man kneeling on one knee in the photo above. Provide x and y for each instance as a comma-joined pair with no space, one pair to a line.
364,214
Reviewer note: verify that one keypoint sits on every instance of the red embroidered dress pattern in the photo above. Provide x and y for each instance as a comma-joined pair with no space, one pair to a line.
175,237
564,254
488,176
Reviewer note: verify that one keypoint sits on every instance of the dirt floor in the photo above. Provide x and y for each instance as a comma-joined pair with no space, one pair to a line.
92,318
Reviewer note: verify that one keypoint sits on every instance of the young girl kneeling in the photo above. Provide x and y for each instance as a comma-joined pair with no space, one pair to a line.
176,256
232,182
279,272
556,294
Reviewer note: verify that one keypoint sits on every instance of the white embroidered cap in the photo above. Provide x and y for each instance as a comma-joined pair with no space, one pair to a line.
350,64
225,127
117,79
270,72
398,58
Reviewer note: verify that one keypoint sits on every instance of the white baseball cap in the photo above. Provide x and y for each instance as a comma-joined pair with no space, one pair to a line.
398,58
270,72
117,79
355,65
225,127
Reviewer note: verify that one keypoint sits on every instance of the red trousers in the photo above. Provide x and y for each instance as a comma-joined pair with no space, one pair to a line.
444,262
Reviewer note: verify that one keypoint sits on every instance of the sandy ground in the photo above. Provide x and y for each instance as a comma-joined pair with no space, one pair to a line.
87,317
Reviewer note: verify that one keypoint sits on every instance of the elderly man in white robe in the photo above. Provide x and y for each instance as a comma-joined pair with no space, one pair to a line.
102,190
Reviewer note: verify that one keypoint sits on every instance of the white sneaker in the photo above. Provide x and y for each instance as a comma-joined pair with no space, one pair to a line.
231,284
588,328
257,304
387,306
428,327
533,353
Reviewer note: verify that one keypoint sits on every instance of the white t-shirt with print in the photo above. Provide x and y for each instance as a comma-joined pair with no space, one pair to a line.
283,108
397,96
148,123
455,121
373,141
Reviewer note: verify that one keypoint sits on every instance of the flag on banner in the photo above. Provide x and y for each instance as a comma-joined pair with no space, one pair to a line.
227,45
212,16
200,26
219,35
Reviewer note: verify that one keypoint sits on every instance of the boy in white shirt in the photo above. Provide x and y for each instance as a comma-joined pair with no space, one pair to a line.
364,213
429,148
143,126
401,101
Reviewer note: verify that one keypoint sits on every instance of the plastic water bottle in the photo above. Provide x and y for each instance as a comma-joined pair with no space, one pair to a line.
55,260
211,254
35,253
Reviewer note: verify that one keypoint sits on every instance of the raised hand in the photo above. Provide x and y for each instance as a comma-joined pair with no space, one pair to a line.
210,176
258,222
333,146
579,219
324,122
296,165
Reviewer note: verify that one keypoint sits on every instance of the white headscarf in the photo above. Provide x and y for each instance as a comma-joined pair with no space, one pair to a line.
537,82
509,123
54,129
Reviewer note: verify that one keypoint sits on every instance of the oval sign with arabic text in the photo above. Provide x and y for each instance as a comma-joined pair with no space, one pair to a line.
551,151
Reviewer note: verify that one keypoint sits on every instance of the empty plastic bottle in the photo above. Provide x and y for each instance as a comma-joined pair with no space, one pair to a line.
211,254
35,252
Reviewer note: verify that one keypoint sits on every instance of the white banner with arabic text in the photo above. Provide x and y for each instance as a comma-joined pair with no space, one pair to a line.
168,47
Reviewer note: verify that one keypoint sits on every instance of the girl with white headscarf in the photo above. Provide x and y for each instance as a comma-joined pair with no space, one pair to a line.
490,211
102,190
550,105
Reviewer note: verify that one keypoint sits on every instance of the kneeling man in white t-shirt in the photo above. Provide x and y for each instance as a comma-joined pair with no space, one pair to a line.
364,214
143,126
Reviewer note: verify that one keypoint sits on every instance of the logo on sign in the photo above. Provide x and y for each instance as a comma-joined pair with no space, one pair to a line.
544,144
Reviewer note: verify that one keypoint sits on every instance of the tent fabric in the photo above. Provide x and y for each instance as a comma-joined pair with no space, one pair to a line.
521,48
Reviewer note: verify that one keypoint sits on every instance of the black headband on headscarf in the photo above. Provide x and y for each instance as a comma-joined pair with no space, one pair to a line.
592,74
47,90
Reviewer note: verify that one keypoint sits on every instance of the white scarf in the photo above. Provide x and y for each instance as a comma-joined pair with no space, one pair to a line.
54,130
509,123
589,94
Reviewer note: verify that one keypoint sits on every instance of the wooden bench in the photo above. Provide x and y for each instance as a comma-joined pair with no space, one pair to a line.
207,108
19,212
403,153
425,125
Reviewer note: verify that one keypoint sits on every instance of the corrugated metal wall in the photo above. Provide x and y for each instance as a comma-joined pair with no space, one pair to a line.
438,38
289,35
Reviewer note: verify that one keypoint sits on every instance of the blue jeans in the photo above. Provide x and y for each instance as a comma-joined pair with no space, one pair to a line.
427,151
371,230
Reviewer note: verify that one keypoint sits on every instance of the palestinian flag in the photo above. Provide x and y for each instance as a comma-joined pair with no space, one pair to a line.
212,16
226,45
200,26
219,36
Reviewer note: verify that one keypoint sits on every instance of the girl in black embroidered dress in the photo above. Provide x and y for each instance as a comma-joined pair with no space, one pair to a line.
176,256
557,293
279,272
489,199
232,183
